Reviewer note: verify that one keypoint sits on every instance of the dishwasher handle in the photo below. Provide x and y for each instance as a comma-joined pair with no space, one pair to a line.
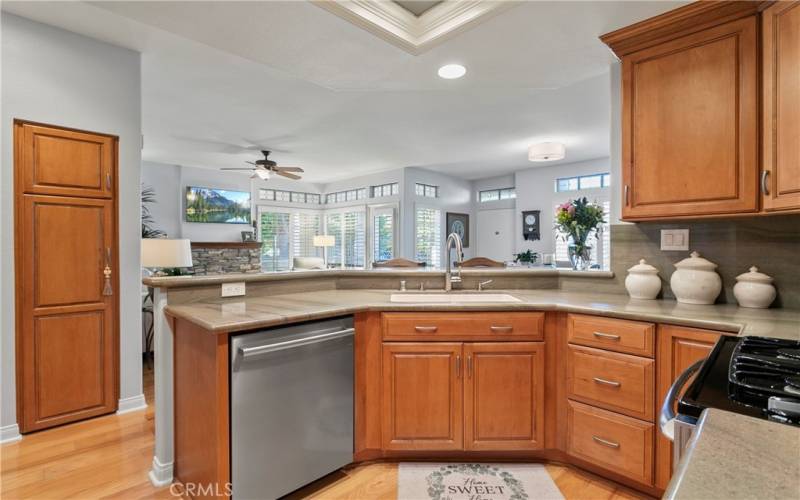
247,352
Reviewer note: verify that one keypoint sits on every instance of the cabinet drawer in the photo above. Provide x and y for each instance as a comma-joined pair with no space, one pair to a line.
618,382
621,444
463,326
632,337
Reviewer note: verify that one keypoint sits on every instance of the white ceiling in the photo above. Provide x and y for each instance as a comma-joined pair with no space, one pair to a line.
342,102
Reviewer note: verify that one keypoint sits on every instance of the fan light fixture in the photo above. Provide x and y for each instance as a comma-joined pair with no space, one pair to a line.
452,71
264,175
547,151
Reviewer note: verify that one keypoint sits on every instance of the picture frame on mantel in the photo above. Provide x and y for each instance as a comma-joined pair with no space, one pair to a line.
459,224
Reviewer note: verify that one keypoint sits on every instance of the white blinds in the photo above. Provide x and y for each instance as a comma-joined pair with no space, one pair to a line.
304,227
354,239
274,227
383,235
333,227
428,236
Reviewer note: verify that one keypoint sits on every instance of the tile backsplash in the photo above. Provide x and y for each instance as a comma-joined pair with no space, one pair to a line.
772,243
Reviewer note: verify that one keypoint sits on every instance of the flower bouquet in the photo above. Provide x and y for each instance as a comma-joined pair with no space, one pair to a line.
575,220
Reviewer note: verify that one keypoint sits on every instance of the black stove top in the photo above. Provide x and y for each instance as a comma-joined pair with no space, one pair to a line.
753,376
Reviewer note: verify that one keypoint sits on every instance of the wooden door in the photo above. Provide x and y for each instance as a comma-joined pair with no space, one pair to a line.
65,162
504,396
67,343
690,125
422,396
781,100
678,347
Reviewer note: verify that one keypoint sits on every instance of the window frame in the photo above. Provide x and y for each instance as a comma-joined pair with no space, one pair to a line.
424,206
425,190
499,193
372,212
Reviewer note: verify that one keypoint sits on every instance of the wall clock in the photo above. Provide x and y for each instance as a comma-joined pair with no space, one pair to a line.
530,225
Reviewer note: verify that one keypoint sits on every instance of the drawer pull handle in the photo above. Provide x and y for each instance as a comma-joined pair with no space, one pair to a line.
495,328
458,366
607,382
608,336
426,329
605,442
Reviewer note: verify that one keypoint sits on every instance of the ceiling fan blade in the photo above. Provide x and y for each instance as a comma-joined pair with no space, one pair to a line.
287,174
290,169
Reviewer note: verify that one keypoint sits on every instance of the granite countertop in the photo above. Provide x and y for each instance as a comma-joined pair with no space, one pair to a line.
250,312
427,272
732,456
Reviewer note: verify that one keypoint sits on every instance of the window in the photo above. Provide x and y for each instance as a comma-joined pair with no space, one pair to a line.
291,196
577,183
428,236
384,190
304,227
349,195
601,248
426,190
497,194
349,232
383,234
274,228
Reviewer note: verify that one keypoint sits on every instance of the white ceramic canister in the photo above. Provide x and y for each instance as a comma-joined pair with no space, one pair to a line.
695,280
754,289
643,281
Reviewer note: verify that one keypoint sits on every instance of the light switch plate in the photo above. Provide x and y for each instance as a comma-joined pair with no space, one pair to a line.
675,239
233,289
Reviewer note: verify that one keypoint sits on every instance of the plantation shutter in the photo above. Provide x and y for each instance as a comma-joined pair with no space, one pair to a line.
383,234
428,236
304,227
333,227
354,239
274,229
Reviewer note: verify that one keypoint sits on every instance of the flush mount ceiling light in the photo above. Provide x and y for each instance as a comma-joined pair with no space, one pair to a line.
547,151
452,71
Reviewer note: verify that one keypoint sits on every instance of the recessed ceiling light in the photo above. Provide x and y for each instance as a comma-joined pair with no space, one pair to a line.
547,151
452,71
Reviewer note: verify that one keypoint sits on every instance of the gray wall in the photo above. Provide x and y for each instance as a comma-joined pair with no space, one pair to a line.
54,76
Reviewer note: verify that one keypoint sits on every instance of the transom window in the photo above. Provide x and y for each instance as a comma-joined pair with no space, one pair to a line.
579,182
289,196
384,190
426,190
497,194
345,196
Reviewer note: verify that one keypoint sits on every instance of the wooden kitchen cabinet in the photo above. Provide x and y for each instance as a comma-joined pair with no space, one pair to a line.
781,101
678,347
504,396
422,396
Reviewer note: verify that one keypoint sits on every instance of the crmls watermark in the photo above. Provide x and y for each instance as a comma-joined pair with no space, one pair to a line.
195,490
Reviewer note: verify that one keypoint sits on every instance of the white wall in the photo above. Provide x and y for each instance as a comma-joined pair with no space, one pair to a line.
536,191
165,181
54,76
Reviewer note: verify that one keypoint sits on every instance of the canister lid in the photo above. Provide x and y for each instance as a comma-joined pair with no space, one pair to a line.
643,268
753,276
696,262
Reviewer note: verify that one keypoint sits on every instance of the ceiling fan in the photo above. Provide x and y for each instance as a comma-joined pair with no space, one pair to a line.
263,169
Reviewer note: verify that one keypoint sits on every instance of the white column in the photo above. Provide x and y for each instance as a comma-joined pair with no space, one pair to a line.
163,458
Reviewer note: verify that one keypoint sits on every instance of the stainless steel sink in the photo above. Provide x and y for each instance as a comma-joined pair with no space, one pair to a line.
453,298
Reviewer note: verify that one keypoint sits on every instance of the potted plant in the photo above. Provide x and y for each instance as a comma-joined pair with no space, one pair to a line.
575,220
527,257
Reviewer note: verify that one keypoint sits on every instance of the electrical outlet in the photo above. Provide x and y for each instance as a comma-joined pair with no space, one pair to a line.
233,289
675,239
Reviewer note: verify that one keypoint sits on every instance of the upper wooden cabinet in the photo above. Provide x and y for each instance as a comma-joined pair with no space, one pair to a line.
781,101
64,162
690,112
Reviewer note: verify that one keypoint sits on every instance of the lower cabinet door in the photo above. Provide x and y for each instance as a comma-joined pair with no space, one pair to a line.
422,396
619,443
504,396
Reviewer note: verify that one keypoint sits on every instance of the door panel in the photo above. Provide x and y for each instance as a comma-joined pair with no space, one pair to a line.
504,396
781,46
66,162
422,396
690,114
678,348
67,340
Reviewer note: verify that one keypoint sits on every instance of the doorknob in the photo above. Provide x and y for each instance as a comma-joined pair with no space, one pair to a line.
107,288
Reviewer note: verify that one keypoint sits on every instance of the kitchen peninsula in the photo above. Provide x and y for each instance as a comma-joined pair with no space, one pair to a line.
548,330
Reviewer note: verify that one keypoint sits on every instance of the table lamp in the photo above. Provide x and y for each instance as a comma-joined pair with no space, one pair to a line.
324,241
168,255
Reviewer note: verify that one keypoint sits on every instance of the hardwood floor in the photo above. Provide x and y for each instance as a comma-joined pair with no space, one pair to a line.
109,457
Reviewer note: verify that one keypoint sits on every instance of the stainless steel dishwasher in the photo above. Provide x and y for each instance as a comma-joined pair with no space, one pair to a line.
291,406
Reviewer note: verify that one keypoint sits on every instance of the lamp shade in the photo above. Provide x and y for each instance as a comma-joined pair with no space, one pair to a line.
164,252
324,240
547,151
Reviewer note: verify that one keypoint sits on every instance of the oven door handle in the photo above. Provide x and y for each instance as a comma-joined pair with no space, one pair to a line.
667,415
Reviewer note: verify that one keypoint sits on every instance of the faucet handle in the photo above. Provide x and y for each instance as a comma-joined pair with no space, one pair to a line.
483,284
402,285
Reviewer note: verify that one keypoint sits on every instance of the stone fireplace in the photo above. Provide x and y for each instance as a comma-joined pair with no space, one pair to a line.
221,257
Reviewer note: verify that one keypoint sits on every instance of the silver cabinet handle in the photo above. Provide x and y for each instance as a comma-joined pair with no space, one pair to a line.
626,195
608,336
426,328
458,366
764,186
667,415
469,366
108,181
605,442
503,328
246,352
606,382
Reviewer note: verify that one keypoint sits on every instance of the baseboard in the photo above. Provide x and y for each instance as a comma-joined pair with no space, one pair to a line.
10,434
160,474
134,403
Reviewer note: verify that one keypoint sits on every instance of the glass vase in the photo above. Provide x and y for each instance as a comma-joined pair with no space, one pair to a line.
579,256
